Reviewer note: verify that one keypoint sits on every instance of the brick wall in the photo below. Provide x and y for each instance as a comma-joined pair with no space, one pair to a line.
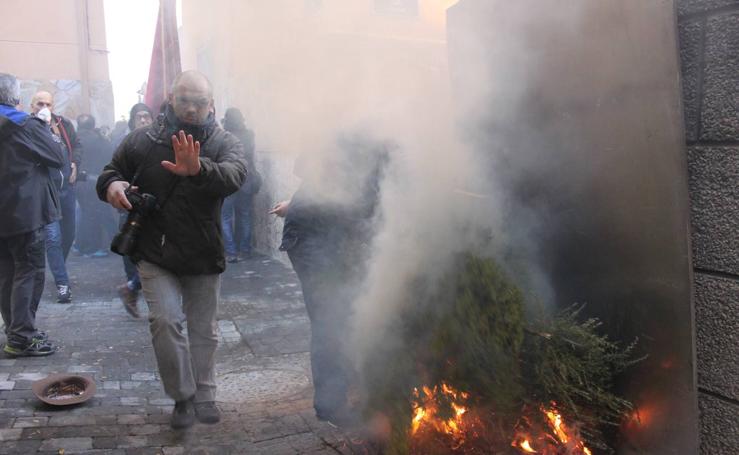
709,48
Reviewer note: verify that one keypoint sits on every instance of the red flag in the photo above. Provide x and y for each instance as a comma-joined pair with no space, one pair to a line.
165,56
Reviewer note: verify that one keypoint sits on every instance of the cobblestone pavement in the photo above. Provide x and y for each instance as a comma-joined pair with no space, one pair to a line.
262,364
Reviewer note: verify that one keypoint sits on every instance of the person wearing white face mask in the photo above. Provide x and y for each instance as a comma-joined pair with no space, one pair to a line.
60,234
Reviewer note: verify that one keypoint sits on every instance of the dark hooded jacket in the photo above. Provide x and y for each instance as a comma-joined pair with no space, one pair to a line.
235,125
338,215
72,145
29,154
184,234
98,151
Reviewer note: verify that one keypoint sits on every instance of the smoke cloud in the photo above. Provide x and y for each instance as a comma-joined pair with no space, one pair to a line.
340,67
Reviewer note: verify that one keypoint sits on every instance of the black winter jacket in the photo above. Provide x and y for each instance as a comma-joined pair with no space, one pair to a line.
72,145
98,152
69,136
28,155
184,236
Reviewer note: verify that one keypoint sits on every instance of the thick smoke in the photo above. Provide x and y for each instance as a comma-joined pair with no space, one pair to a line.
449,191
313,77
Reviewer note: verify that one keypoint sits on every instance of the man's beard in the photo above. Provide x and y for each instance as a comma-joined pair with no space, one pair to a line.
199,132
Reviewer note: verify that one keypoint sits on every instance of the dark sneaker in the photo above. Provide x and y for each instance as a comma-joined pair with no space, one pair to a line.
207,412
64,294
129,298
36,348
183,415
232,259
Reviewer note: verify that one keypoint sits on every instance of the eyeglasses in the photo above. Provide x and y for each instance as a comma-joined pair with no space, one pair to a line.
200,103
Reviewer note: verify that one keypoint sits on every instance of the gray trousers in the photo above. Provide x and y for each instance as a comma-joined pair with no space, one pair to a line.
186,361
22,265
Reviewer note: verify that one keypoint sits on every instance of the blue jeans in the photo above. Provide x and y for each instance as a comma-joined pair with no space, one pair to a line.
132,273
236,219
55,255
68,223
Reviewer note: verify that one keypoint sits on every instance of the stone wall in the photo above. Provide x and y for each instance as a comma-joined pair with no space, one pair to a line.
709,48
68,98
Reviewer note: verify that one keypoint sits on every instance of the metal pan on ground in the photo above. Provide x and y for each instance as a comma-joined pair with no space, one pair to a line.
64,389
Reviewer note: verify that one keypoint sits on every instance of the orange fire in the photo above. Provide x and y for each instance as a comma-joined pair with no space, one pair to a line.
525,445
551,436
426,410
562,437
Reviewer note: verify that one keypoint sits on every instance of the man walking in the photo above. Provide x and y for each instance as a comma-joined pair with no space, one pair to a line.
28,202
60,234
189,164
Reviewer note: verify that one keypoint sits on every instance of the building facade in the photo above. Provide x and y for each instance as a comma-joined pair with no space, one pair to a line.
299,70
59,47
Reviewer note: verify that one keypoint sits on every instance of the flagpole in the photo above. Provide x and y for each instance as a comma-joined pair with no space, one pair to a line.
161,49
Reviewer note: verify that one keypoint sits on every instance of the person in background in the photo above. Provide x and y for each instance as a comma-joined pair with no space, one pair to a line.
329,224
29,156
237,216
119,132
189,164
97,224
60,234
139,117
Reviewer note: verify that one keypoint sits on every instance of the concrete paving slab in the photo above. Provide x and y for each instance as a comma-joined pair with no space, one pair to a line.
263,372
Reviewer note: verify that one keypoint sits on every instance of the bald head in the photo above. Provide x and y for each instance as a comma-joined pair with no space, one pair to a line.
193,80
41,100
191,97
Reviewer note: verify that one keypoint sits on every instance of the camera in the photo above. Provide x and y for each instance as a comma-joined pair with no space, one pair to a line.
143,204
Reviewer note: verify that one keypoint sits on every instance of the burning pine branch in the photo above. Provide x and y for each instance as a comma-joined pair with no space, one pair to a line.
492,378
443,412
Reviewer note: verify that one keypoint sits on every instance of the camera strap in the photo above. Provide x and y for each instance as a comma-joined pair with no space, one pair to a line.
177,179
170,190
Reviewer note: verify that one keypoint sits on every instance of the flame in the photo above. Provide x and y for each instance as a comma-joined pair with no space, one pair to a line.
420,414
546,434
555,422
561,436
526,446
426,410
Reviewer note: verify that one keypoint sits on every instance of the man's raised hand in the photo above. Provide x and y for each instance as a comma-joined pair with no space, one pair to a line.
186,156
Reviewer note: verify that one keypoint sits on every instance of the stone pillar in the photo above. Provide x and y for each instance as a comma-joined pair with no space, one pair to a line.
709,51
